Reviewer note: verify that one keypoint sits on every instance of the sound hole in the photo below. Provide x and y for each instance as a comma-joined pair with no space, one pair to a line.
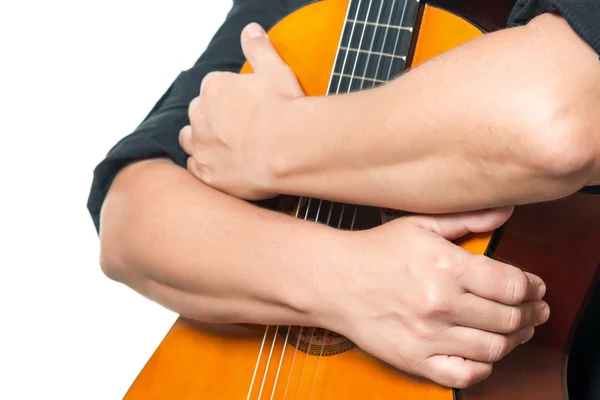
315,341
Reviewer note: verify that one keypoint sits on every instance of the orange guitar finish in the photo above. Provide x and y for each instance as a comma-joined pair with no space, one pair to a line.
559,241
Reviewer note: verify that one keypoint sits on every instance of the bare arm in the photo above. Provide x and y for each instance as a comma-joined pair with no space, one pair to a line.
509,118
214,258
204,254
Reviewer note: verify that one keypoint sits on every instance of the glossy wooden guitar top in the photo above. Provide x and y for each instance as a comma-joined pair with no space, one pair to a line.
201,361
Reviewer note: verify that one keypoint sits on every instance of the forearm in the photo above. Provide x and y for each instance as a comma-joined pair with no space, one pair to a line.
206,255
426,142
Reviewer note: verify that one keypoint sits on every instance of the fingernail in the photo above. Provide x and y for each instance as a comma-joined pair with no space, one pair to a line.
254,30
543,313
528,336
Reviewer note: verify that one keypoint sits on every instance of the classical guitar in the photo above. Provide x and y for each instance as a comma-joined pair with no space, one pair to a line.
336,46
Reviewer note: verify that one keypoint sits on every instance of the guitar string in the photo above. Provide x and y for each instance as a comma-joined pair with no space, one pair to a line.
369,55
384,41
324,341
321,201
265,338
289,327
349,88
323,345
257,363
362,35
351,35
362,81
301,328
400,31
268,363
313,329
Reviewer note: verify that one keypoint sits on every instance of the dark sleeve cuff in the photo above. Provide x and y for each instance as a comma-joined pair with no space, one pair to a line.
582,15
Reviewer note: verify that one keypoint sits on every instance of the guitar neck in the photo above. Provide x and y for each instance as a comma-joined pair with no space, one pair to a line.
375,44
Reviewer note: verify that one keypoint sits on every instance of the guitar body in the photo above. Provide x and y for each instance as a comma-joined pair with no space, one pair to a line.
559,241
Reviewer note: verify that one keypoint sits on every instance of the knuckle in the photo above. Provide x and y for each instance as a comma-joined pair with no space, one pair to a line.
197,121
423,331
479,260
514,318
185,136
465,377
448,264
199,170
434,304
498,348
469,375
518,288
288,71
190,165
207,178
212,82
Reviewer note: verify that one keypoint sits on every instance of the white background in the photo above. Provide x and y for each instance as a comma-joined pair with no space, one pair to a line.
75,77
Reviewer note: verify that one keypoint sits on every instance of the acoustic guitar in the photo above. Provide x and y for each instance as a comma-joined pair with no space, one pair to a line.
337,46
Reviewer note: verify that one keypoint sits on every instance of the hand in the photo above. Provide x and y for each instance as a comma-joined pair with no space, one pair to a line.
226,140
412,298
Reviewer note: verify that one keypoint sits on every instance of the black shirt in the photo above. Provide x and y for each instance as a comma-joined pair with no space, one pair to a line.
157,135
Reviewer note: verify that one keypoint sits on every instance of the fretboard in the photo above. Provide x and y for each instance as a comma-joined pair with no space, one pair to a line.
375,43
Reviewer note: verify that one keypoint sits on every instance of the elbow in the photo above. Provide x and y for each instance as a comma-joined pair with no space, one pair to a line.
112,261
564,148
109,266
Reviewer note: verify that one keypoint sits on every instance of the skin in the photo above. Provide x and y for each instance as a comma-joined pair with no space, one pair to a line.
401,282
525,129
461,313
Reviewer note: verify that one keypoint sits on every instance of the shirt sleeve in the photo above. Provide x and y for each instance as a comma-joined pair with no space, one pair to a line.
158,133
582,15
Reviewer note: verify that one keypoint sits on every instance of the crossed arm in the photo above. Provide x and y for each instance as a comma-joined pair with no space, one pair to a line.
170,236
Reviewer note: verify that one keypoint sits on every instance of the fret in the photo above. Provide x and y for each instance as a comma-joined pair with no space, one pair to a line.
405,14
379,24
377,67
374,45
362,9
374,53
394,12
376,38
359,78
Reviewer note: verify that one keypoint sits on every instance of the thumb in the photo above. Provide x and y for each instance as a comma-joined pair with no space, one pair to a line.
454,226
259,50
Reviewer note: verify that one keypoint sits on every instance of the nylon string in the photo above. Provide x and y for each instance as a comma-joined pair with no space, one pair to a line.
308,207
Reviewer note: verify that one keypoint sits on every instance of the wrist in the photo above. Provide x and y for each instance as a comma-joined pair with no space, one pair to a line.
320,262
323,136
334,279
296,133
